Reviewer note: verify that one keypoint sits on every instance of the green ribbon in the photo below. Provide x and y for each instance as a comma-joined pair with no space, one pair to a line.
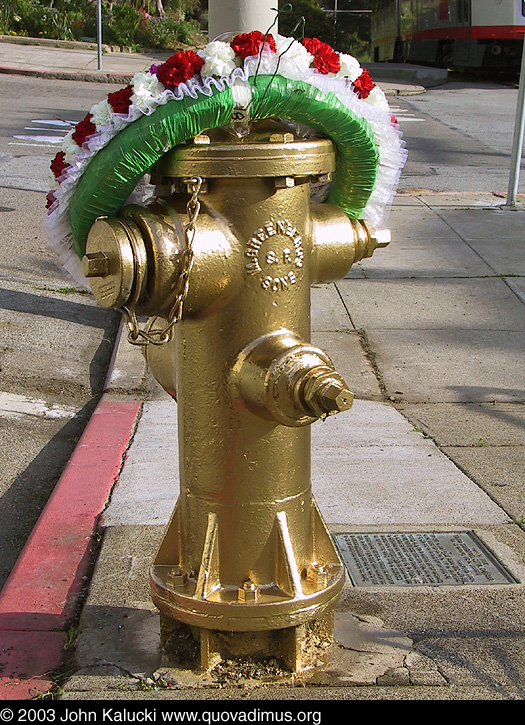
115,170
357,154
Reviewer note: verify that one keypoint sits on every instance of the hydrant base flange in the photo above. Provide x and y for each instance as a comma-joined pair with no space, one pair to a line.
298,593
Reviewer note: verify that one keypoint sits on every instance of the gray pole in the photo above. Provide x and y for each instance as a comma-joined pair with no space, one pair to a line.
240,16
517,145
99,33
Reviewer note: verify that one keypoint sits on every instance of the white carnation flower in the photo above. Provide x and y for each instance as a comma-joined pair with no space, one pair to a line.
378,99
146,88
102,113
70,147
350,67
263,64
219,59
294,59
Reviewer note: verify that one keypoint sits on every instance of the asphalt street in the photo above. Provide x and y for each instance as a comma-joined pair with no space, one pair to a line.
56,343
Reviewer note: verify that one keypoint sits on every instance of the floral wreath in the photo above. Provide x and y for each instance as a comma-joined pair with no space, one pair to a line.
250,76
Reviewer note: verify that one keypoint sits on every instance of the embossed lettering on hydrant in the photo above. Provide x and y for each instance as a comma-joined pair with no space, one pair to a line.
271,251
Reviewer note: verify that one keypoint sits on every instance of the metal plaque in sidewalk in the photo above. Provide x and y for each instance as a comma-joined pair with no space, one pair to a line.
419,559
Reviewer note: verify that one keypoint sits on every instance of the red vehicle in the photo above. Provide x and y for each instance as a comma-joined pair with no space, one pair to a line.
458,34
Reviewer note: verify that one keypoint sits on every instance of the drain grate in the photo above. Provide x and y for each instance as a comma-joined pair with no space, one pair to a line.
419,559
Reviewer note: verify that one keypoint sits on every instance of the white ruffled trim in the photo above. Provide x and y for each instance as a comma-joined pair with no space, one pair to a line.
375,110
392,151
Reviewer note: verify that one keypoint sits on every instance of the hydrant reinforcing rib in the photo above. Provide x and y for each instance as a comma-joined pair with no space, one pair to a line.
229,249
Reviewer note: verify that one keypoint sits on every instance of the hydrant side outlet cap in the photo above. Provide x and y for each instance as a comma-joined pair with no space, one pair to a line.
112,281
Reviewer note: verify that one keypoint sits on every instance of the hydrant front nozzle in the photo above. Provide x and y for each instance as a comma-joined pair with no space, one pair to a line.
280,377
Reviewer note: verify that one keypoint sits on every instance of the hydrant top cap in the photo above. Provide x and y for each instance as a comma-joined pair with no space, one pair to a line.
257,155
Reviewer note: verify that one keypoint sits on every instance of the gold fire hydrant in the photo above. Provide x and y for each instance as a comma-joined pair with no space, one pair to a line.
246,561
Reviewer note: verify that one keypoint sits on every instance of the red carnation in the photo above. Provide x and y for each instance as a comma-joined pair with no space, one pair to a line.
364,84
179,67
120,101
83,129
248,44
326,60
58,165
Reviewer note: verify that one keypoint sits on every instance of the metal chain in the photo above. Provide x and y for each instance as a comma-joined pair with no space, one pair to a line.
136,336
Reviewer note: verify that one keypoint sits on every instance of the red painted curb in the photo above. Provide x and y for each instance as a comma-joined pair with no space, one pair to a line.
41,593
27,660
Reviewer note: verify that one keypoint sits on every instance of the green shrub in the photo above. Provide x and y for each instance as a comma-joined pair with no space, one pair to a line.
31,18
25,17
166,32
120,24
124,22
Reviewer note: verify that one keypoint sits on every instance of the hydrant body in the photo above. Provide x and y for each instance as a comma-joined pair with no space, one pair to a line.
246,550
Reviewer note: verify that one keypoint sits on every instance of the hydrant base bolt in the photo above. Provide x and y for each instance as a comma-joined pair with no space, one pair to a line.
318,574
284,182
176,577
248,593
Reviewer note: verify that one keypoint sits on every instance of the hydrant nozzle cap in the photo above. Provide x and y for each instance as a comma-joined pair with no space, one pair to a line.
327,394
109,261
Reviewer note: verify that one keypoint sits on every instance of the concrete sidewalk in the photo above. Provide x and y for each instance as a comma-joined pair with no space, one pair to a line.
73,61
79,61
430,334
